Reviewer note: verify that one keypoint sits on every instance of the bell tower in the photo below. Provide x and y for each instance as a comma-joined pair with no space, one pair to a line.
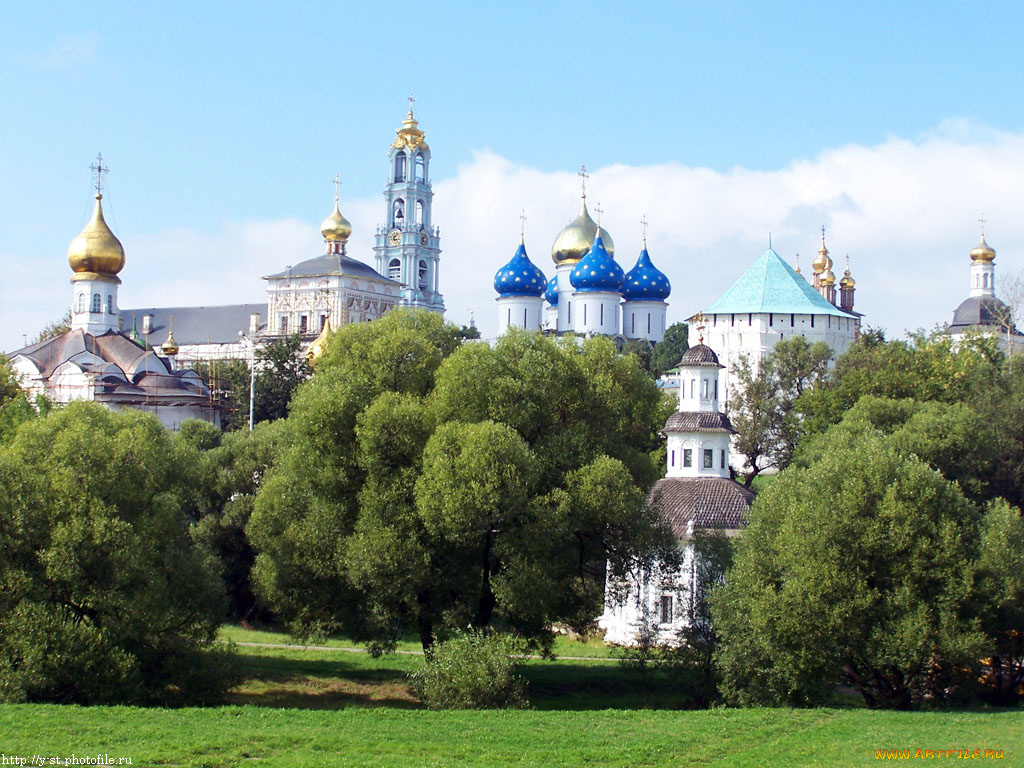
408,245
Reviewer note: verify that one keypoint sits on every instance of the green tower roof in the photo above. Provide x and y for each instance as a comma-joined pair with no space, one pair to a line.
771,285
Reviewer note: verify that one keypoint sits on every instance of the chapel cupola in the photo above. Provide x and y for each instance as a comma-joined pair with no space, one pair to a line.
336,229
983,270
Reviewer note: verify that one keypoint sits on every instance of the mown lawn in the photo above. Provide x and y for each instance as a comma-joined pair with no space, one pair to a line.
315,708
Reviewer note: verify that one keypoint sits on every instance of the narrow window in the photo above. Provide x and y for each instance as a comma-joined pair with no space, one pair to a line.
666,609
110,305
732,320
323,322
601,316
716,389
648,323
714,320
830,321
812,321
400,166
632,324
723,459
771,319
704,389
687,457
673,459
419,214
792,320
421,169
693,390
283,324
424,284
524,319
80,306
395,269
303,324
750,318
709,459
398,212
95,302
584,314
509,321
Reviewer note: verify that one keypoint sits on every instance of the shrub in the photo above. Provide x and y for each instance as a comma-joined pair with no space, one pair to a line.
471,671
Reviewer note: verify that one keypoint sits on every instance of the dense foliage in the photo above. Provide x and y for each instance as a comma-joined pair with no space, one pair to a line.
669,351
103,596
472,670
441,485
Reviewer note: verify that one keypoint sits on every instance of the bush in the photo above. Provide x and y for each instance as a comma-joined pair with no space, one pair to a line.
471,671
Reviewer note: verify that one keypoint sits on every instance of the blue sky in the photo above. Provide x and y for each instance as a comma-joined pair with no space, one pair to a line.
894,124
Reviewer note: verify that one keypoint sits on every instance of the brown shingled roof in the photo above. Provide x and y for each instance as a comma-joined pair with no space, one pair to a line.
710,502
698,421
701,355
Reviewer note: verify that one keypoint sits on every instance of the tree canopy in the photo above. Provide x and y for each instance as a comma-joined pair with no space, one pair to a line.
439,485
669,351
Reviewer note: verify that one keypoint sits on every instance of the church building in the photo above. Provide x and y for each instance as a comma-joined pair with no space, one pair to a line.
982,311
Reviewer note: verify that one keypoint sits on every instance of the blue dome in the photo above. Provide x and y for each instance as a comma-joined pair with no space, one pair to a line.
520,277
645,282
597,271
551,294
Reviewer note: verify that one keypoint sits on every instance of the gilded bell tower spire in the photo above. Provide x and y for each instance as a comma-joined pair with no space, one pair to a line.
408,245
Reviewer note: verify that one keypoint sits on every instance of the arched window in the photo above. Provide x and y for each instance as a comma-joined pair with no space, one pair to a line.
80,303
423,275
419,214
110,304
395,269
400,166
399,212
96,306
421,169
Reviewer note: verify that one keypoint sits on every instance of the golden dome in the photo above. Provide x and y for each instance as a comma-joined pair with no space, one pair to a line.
822,262
828,277
319,345
982,251
336,228
96,252
170,347
846,281
575,240
410,135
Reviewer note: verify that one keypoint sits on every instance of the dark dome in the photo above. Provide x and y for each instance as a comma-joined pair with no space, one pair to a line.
700,355
980,310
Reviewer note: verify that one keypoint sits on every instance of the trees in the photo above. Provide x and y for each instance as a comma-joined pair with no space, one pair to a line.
669,351
858,569
763,409
103,597
15,407
55,328
438,485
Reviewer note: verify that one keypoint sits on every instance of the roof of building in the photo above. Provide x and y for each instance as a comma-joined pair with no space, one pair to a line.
980,310
706,502
332,264
597,271
551,293
698,421
771,285
699,355
196,325
125,370
645,282
520,277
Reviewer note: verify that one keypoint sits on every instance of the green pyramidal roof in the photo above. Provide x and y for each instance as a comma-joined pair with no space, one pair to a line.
771,285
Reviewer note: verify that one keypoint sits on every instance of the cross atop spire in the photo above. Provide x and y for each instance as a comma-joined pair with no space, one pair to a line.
98,170
411,100
583,178
643,226
701,325
982,222
337,186
598,210
522,226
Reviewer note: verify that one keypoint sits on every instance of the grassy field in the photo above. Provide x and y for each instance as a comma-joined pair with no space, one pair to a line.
313,708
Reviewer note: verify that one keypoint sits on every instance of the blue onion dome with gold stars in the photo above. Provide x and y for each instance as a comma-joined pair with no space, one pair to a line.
520,277
551,294
645,282
597,271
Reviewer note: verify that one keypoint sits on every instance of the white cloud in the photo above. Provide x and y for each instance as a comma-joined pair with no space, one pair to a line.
904,210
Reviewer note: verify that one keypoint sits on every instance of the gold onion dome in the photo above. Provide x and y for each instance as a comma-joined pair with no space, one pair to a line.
336,228
847,281
575,240
822,262
410,135
982,251
96,251
318,347
828,277
170,347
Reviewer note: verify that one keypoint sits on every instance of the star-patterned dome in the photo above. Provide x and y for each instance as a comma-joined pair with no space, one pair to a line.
645,282
551,294
597,271
520,277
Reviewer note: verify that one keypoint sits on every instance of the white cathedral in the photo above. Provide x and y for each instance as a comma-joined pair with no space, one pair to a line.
135,358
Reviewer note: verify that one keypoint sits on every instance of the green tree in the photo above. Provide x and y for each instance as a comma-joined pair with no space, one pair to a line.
669,351
858,569
440,485
764,410
103,597
55,328
15,407
280,368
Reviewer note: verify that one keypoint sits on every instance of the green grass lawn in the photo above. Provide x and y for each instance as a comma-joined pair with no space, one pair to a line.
314,708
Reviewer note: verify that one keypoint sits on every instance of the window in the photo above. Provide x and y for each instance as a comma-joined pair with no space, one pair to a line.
303,324
732,321
704,389
80,306
709,459
525,324
509,321
400,166
399,212
716,389
693,391
672,463
601,315
110,305
792,320
723,460
95,303
648,324
687,457
419,214
570,312
812,321
395,269
424,284
632,324
666,609
421,168
283,324
584,314
771,319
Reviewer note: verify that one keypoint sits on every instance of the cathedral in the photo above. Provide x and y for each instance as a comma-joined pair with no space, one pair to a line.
589,292
982,311
138,358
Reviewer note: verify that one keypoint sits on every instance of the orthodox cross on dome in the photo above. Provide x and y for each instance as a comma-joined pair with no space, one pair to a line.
598,210
699,319
583,178
337,186
522,225
643,225
99,169
411,100
982,222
